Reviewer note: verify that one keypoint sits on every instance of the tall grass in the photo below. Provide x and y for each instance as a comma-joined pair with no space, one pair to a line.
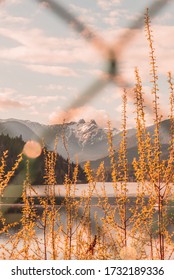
81,228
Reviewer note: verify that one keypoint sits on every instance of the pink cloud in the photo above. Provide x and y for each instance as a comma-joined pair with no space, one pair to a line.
9,2
35,47
111,20
6,103
85,15
4,92
53,70
42,99
85,112
106,5
7,18
52,87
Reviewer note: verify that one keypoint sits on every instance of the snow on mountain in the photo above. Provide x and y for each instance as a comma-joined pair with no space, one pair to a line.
115,131
85,139
87,132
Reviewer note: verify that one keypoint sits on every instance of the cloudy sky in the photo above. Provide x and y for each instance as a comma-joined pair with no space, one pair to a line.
46,65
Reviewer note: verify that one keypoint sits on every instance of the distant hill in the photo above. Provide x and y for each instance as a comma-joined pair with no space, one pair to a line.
84,139
131,154
15,147
14,128
132,150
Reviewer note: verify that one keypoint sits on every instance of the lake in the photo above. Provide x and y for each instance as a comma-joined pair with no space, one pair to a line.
11,205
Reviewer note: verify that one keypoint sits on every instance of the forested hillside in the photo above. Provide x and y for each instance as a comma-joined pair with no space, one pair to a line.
37,166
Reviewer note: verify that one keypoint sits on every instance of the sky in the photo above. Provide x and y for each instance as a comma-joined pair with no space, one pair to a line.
46,65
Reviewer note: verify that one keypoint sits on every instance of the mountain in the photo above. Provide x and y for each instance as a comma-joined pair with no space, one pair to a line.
85,139
15,128
132,150
37,168
131,154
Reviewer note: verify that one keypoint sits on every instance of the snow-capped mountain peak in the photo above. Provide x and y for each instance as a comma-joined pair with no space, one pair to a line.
86,132
83,137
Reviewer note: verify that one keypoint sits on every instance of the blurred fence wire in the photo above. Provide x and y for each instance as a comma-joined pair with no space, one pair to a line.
111,53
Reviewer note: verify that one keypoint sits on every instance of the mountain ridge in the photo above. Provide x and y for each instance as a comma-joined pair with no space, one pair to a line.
81,137
14,146
84,139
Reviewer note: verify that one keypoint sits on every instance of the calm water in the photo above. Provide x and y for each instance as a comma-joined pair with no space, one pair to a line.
12,212
12,195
